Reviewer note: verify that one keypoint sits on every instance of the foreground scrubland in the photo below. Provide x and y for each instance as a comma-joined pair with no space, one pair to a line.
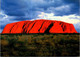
39,45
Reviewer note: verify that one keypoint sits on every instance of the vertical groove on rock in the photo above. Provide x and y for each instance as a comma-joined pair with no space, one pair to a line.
12,27
63,26
26,31
56,28
18,27
41,26
32,26
45,26
24,27
47,30
24,24
36,27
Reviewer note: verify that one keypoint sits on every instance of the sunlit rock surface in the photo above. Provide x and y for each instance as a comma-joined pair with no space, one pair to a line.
39,26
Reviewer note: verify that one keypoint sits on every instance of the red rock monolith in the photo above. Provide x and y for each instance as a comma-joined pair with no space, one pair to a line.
39,26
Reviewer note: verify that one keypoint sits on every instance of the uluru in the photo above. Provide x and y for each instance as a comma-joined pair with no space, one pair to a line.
39,26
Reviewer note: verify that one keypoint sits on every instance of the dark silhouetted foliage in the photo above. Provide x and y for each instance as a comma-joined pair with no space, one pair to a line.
40,45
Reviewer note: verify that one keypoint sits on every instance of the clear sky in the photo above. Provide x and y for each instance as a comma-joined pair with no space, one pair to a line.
19,10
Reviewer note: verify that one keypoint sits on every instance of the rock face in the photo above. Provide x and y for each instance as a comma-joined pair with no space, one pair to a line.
39,26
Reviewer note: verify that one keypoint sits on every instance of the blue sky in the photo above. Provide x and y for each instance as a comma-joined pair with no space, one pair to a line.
19,10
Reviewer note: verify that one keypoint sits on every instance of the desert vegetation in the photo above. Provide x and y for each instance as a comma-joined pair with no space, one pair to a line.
39,45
